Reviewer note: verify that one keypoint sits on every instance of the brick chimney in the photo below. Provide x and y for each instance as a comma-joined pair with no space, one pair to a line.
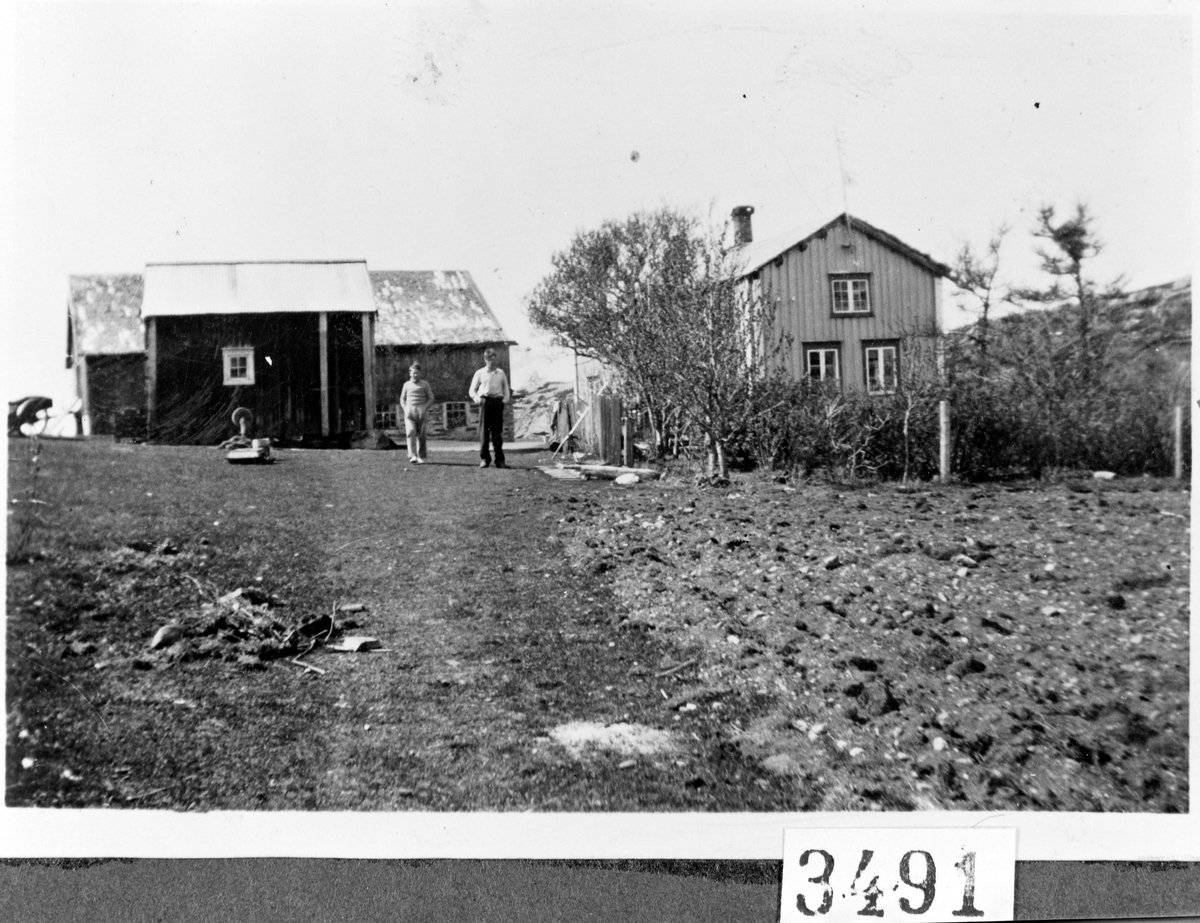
742,232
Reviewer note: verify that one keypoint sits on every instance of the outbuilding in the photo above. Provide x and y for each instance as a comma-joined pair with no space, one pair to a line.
317,350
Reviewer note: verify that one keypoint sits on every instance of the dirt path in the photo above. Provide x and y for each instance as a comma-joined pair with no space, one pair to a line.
498,645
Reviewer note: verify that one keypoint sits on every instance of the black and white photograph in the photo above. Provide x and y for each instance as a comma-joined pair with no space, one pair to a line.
526,429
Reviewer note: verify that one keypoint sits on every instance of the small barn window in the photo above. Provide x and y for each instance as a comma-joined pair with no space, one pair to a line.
822,363
239,365
851,294
882,363
456,414
387,416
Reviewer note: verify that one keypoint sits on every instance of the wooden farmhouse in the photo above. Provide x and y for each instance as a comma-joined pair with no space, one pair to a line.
852,298
317,351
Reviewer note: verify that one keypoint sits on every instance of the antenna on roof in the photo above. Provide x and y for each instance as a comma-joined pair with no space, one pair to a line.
845,182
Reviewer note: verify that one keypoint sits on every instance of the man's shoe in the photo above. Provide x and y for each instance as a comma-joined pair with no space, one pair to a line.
484,464
501,465
419,461
412,459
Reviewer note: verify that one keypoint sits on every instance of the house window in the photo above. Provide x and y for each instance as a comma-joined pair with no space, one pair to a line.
239,365
821,362
456,414
851,294
387,416
882,364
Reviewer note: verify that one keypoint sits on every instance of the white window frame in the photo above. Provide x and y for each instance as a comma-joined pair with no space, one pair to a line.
387,416
856,293
876,383
229,357
446,414
823,352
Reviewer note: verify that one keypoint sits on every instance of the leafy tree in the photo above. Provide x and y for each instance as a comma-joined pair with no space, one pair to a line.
663,302
607,293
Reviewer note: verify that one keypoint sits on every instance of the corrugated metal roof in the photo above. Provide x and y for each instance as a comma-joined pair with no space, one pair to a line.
176,289
106,314
432,307
757,253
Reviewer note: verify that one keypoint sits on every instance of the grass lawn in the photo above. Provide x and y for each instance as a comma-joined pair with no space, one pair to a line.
756,648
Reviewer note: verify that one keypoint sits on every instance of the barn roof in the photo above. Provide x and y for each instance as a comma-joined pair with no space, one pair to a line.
105,315
426,307
758,253
177,289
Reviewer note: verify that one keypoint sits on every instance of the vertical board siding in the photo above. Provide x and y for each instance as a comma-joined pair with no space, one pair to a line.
903,299
449,370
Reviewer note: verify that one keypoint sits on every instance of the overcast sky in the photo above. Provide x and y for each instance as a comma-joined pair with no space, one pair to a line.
482,135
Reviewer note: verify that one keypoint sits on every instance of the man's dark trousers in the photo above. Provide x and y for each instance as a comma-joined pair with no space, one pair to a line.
491,429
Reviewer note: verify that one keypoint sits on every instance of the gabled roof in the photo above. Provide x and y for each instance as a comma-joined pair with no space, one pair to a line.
178,289
758,253
106,315
425,307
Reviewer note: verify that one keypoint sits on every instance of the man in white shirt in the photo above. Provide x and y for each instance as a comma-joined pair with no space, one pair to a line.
489,388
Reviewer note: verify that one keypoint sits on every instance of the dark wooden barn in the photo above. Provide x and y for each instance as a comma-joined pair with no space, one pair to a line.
106,347
441,320
317,350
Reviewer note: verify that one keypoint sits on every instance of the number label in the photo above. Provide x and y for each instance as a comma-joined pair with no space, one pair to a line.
851,874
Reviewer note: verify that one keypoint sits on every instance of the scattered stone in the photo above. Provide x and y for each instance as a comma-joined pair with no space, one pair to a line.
1052,611
627,764
832,562
961,668
964,560
627,480
166,636
939,744
1114,600
866,664
352,607
1103,475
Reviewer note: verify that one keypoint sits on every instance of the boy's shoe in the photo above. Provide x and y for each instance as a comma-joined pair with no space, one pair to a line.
412,459
501,465
485,464
419,461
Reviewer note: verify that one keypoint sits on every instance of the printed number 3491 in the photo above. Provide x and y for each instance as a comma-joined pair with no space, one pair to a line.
927,885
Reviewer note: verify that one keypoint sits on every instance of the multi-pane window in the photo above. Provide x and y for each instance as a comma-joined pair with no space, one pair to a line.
456,414
387,416
883,368
238,362
851,294
822,363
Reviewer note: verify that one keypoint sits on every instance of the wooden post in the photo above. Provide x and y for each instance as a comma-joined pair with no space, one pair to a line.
627,441
151,374
944,428
368,333
81,380
1178,443
323,351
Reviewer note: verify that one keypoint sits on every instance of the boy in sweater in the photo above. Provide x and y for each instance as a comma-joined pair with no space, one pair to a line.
415,397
